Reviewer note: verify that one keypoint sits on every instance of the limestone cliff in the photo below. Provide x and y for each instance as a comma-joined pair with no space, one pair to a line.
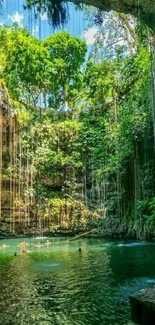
145,9
8,147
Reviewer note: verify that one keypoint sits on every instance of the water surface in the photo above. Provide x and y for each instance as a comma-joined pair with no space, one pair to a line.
58,285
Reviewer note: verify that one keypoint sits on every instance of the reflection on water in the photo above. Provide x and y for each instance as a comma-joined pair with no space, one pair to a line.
19,302
39,238
131,244
58,285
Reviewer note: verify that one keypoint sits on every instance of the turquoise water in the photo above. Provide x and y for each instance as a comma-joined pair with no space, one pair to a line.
59,285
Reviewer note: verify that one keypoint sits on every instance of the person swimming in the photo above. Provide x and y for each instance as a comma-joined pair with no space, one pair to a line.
47,243
38,245
23,245
4,246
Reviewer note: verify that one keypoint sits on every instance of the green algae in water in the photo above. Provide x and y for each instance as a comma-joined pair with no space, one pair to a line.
58,285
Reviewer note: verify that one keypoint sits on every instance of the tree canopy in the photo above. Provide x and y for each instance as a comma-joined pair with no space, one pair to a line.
85,127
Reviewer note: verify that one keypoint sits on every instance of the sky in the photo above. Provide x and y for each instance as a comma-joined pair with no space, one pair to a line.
77,24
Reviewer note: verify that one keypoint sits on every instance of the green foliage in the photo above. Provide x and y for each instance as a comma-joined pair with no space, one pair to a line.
86,128
38,72
67,54
26,65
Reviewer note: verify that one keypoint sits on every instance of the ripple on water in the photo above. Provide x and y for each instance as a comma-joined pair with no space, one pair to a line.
130,287
134,244
63,287
40,238
48,266
131,244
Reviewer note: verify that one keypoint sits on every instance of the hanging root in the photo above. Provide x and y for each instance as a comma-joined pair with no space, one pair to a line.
99,18
57,10
1,5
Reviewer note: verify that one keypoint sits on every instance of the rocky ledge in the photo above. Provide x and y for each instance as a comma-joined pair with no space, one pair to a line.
143,307
145,9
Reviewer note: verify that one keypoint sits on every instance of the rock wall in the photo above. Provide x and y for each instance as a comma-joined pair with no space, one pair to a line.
145,9
8,156
16,215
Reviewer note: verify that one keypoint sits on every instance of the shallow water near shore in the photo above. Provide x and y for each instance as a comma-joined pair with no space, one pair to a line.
59,285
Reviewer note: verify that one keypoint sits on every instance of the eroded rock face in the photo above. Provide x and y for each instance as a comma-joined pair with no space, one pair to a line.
8,135
143,307
145,9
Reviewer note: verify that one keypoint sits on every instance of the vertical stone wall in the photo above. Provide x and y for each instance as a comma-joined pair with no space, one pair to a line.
8,151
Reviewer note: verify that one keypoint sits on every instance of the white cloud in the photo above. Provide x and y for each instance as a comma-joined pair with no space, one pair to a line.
89,35
16,18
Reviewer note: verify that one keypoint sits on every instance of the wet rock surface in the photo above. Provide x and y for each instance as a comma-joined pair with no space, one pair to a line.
143,306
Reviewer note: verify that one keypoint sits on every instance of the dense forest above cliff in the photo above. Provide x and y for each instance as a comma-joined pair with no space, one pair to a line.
78,136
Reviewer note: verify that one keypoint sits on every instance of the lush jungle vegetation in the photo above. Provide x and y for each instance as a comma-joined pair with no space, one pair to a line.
86,126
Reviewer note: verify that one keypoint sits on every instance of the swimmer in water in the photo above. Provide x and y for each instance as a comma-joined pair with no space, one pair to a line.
4,246
48,243
23,245
38,245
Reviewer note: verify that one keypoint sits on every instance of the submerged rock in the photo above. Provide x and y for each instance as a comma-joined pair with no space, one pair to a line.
143,307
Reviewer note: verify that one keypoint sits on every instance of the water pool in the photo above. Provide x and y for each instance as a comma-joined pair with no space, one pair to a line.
59,285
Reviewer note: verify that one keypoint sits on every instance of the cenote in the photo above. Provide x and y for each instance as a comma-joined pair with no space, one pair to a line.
77,159
60,285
